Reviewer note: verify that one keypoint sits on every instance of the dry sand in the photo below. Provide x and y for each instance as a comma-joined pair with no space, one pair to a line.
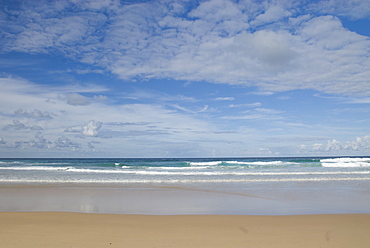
57,229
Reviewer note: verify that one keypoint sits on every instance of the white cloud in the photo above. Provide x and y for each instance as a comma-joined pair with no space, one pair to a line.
244,117
224,98
149,123
64,142
213,42
268,111
76,99
248,105
216,11
255,113
100,98
355,9
37,114
264,50
39,142
272,46
91,128
361,144
17,125
334,145
272,14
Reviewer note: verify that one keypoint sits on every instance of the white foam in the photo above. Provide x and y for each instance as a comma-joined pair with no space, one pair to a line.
265,163
37,168
345,162
183,171
261,163
212,163
10,162
169,181
220,173
103,171
177,168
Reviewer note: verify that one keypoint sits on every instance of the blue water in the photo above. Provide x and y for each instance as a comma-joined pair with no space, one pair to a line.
182,171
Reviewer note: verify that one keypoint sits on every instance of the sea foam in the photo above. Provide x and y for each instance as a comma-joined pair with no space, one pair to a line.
345,162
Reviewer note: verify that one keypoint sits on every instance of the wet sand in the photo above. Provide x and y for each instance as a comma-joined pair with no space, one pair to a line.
262,215
57,229
211,199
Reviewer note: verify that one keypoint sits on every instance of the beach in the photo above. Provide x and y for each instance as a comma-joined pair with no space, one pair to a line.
55,229
264,203
157,216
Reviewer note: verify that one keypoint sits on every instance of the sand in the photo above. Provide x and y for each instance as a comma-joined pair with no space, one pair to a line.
61,229
280,198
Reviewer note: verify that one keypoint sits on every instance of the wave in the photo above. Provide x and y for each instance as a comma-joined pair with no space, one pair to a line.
181,171
246,163
211,163
170,181
37,168
345,162
173,168
261,163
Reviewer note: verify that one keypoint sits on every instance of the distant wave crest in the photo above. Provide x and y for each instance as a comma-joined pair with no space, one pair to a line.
345,162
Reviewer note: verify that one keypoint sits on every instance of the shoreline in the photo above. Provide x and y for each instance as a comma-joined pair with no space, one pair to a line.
174,199
61,229
190,199
260,215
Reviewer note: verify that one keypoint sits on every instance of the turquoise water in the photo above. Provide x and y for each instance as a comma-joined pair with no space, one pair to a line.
204,170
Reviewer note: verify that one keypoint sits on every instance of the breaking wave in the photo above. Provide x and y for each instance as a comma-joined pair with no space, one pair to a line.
345,162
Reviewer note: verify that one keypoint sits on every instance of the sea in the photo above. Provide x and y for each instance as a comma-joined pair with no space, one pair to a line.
182,170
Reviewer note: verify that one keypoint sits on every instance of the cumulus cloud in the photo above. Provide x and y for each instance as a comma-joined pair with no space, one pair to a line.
361,144
89,129
37,114
17,125
64,142
39,142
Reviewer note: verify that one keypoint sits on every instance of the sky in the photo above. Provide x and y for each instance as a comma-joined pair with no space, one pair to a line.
184,78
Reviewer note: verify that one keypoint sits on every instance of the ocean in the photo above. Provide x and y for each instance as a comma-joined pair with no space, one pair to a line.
182,171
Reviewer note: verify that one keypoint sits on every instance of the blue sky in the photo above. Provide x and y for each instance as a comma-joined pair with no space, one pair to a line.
184,78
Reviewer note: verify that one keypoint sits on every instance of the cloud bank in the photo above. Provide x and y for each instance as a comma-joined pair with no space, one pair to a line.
274,46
